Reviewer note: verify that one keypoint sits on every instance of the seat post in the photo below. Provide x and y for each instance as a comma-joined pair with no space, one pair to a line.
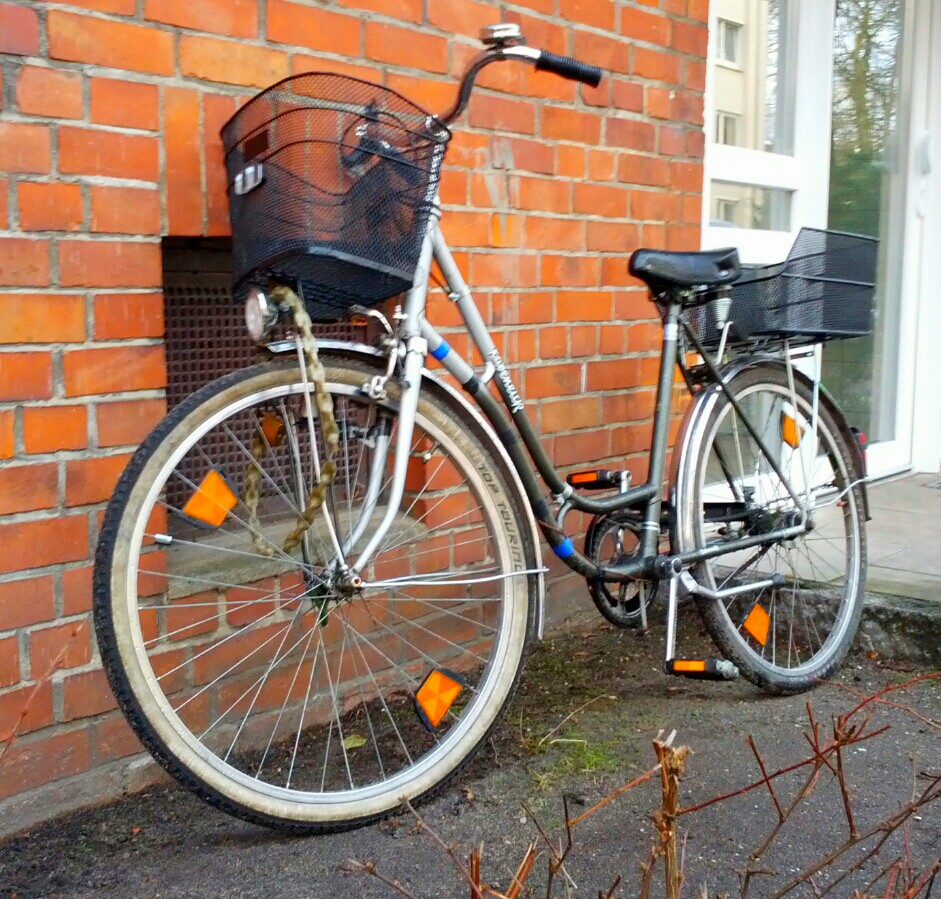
661,424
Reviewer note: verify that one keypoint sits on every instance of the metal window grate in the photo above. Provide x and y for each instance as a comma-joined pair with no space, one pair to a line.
205,331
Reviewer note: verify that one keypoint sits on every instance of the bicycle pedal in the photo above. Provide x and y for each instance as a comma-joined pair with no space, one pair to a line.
702,669
595,480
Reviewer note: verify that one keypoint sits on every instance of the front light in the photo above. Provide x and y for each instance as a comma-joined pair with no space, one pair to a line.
260,315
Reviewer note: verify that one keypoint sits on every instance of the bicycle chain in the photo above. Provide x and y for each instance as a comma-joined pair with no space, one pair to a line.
287,299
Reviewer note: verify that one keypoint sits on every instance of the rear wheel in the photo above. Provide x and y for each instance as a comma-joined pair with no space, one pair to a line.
251,671
783,638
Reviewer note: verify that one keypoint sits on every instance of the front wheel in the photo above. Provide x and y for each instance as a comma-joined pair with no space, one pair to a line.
786,637
250,668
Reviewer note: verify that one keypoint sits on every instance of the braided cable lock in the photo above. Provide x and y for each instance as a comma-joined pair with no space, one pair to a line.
289,300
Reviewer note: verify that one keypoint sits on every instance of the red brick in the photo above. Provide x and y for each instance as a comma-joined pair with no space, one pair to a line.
648,170
112,738
637,25
87,151
597,13
118,7
602,165
76,590
611,237
127,423
99,263
659,103
691,39
25,148
92,480
504,270
25,376
116,45
9,662
570,271
463,16
583,306
554,233
26,601
553,380
231,62
27,709
19,30
49,92
570,415
125,103
521,154
27,488
217,111
698,10
318,29
607,200
183,173
125,210
62,646
7,435
542,33
237,18
51,206
406,47
48,429
632,134
570,161
32,544
656,65
119,316
404,10
559,123
432,95
114,370
654,207
24,263
628,95
4,193
41,318
541,194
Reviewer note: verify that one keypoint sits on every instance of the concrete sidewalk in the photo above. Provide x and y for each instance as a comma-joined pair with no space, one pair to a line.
903,607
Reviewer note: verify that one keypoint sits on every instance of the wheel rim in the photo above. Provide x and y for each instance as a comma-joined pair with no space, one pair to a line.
484,659
800,626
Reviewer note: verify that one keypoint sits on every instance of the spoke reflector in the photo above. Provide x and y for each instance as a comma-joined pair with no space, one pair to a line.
212,501
758,623
790,433
436,695
272,426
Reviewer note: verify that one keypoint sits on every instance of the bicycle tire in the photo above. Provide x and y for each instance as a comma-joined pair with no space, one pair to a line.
168,737
827,592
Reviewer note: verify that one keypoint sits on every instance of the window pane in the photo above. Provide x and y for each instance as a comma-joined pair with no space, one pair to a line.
750,206
756,37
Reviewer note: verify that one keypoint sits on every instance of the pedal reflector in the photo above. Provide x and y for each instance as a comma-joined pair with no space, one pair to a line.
790,433
702,669
436,695
212,501
758,623
688,666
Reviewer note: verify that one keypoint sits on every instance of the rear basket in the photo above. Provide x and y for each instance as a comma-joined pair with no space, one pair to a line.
824,290
310,209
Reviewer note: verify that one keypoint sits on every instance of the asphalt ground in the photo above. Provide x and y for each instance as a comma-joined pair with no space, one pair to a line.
581,726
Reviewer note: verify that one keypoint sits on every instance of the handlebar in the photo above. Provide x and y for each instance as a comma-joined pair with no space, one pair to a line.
542,60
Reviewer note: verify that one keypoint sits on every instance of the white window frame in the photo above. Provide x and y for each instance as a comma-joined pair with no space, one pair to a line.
806,172
723,120
723,28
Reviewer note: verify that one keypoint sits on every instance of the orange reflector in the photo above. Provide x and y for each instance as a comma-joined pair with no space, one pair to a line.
212,501
436,695
272,427
583,477
680,665
790,433
758,623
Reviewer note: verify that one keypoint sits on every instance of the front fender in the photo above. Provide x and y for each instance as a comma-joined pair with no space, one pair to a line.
375,356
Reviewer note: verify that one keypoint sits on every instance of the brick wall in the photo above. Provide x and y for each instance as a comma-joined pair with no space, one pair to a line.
109,140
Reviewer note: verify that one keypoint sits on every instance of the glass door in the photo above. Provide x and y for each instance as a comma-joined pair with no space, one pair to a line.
876,55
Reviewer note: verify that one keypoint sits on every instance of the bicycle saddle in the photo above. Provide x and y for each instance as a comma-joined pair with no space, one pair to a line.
661,269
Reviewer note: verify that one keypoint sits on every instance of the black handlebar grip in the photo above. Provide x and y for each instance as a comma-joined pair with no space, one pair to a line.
569,68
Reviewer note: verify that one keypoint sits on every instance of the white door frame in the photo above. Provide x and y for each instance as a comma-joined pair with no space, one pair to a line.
917,440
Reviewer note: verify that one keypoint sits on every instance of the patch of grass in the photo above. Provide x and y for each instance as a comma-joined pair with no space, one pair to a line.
573,755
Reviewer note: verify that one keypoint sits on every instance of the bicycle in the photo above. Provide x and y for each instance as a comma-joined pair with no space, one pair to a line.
317,578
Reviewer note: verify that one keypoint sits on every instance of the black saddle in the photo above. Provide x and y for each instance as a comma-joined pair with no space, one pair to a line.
662,270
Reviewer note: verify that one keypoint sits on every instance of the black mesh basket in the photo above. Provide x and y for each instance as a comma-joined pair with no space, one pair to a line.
331,182
824,290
